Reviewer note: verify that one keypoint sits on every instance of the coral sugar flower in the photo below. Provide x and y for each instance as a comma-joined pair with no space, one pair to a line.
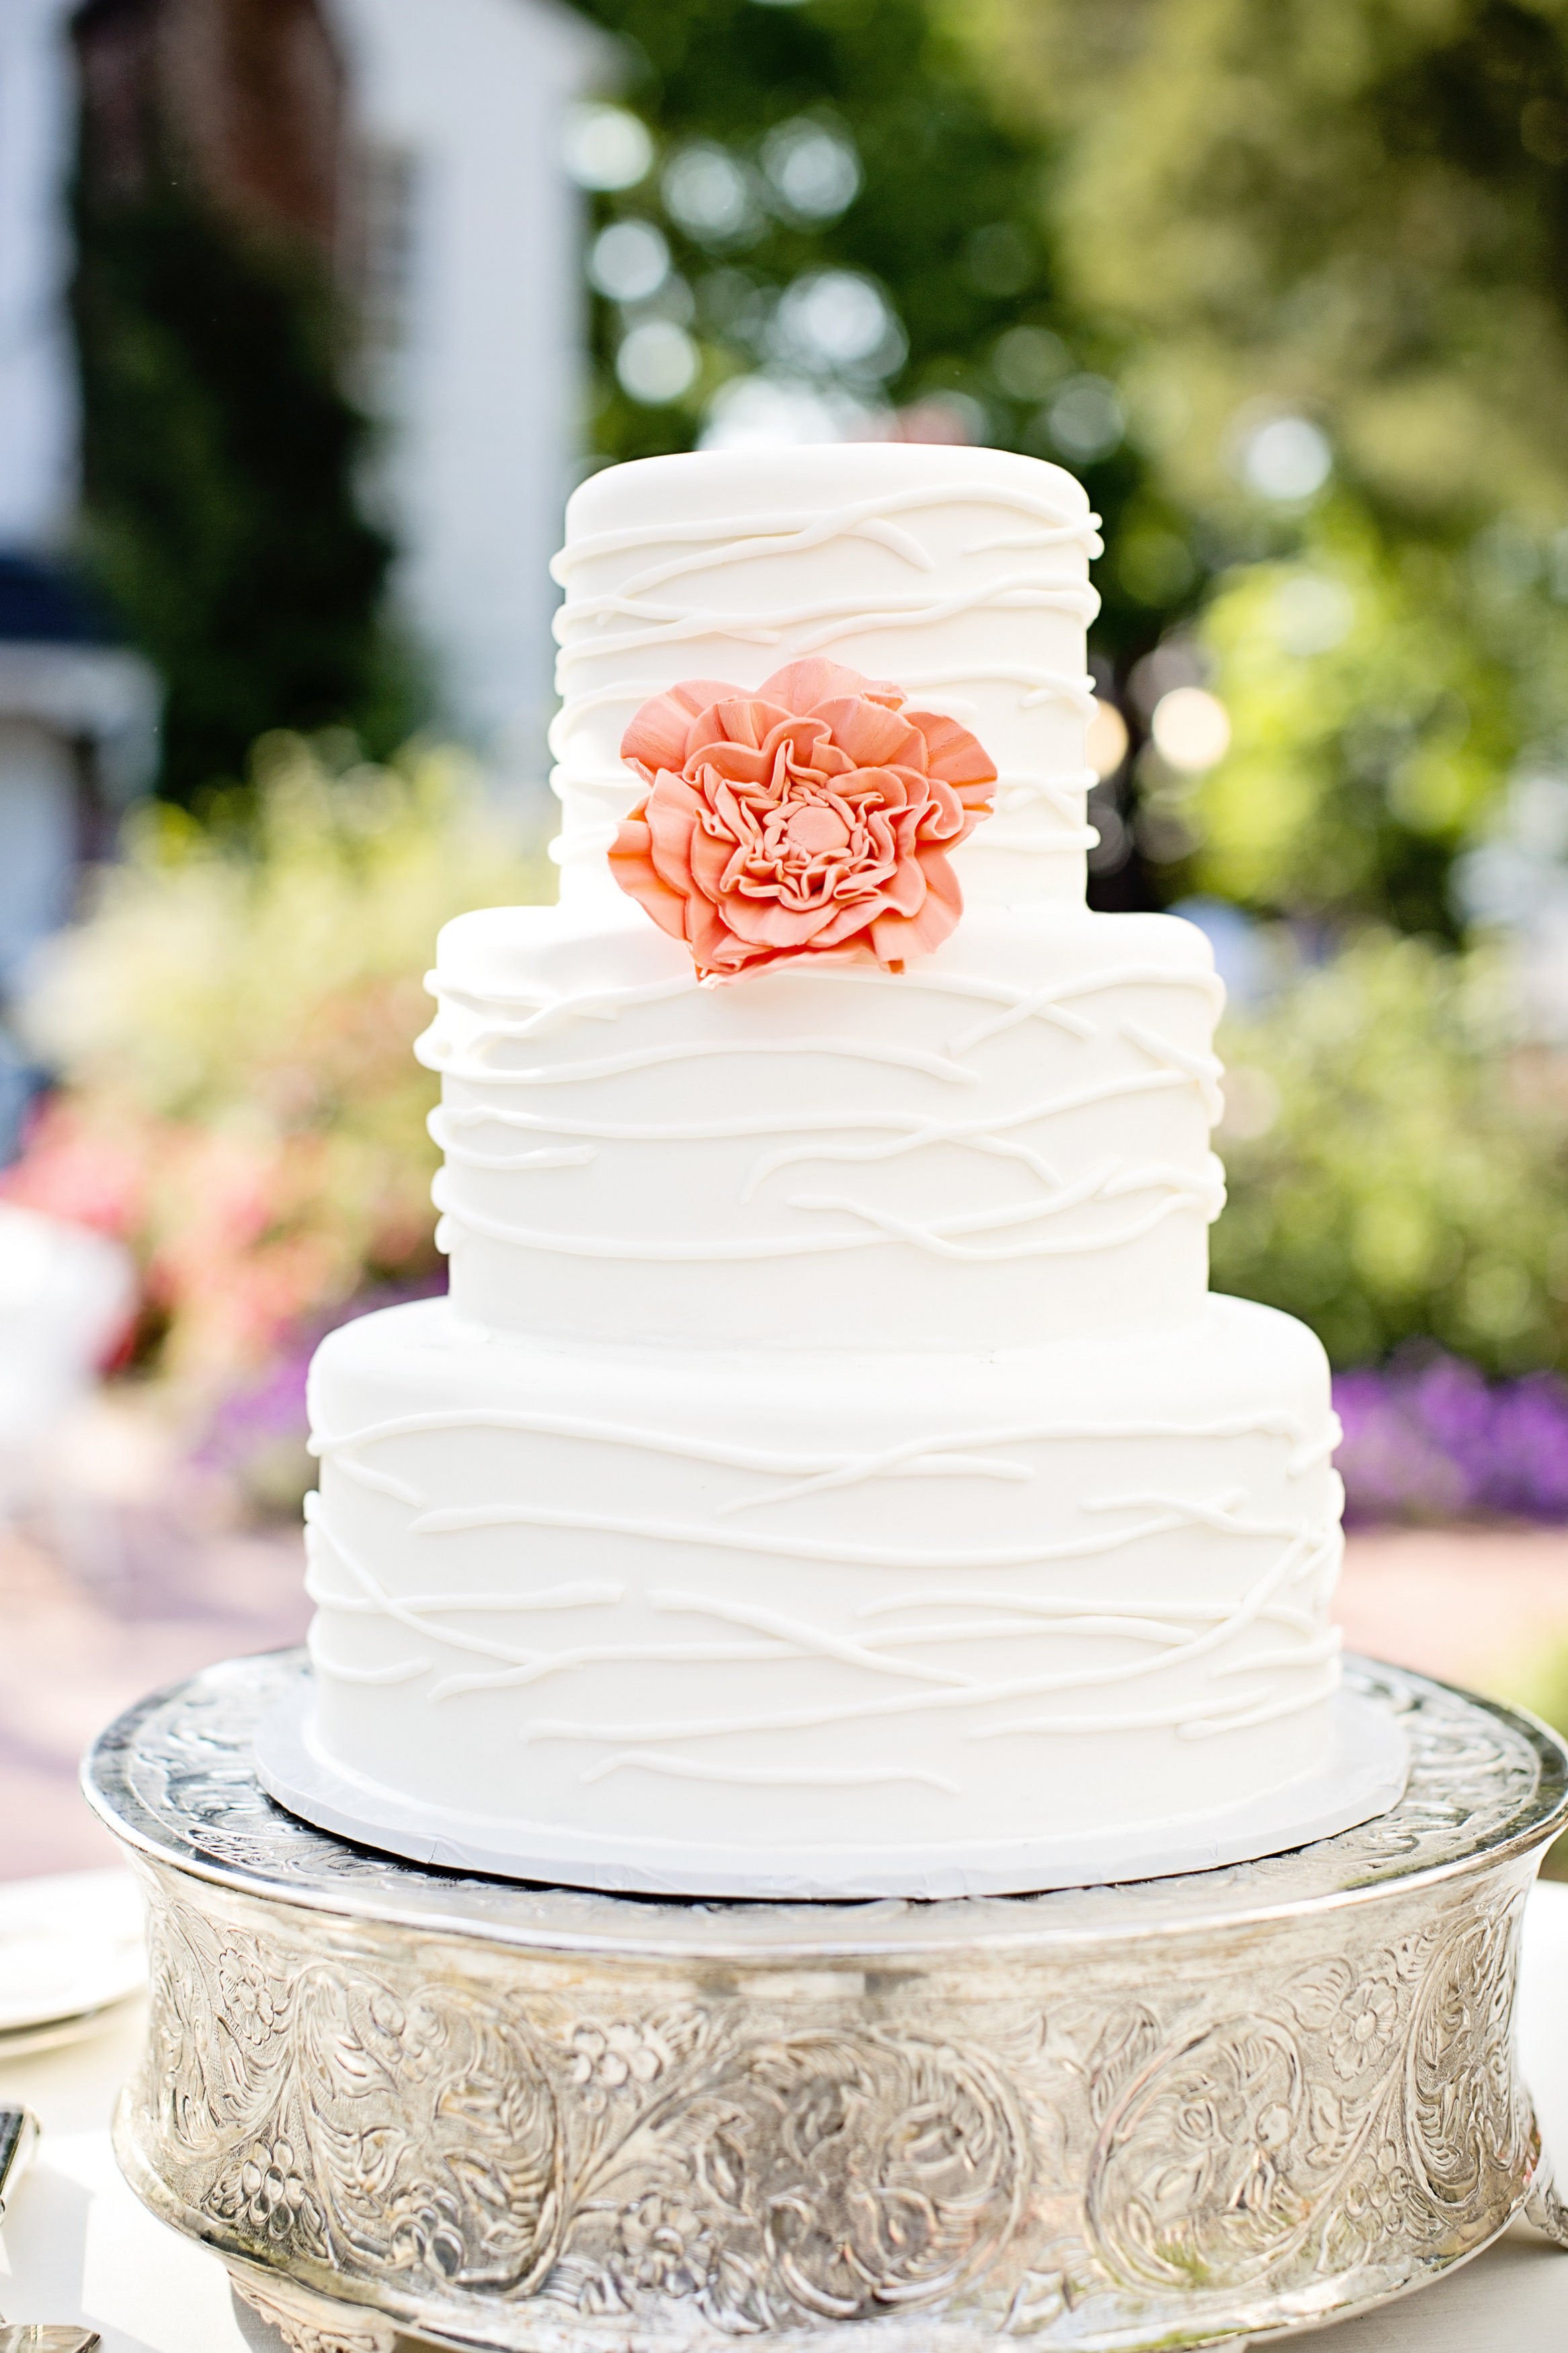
812,817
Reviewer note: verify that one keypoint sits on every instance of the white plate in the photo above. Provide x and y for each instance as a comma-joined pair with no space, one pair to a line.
57,2035
68,1945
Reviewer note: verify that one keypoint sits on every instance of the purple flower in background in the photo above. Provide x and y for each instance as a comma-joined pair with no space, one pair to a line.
258,1433
1435,1441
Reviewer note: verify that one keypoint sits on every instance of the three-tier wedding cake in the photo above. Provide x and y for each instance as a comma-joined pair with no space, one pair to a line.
829,1475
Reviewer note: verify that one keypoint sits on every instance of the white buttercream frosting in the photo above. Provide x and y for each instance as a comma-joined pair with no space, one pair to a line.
1009,1142
715,1595
830,1442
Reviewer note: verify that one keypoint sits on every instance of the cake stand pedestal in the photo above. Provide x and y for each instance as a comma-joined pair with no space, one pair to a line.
1176,2113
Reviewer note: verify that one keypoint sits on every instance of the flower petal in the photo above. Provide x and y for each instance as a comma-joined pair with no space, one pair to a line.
804,685
888,788
746,719
707,933
873,737
851,927
959,758
737,764
657,737
712,856
672,810
943,901
802,740
896,937
944,817
905,891
631,863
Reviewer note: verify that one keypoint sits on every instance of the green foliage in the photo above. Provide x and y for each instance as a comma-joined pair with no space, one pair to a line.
1354,205
233,1022
1354,211
1395,1171
947,224
219,454
1371,728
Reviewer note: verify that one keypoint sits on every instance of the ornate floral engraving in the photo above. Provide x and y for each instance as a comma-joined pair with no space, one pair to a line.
1374,2105
823,2174
306,2327
455,2136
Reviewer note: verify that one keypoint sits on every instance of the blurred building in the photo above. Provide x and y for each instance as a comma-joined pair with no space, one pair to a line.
475,330
418,141
244,97
78,712
37,383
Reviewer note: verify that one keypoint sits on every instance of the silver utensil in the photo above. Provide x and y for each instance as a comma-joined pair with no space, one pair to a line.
33,2337
18,2140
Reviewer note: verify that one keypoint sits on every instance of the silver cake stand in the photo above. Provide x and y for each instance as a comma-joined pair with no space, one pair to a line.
1177,2113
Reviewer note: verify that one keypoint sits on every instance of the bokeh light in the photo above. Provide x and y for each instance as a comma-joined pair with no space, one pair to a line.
1191,728
606,147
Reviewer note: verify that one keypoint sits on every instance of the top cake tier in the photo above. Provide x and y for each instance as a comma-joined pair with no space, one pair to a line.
961,574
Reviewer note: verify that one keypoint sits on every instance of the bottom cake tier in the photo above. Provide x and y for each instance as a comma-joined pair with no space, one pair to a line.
836,1624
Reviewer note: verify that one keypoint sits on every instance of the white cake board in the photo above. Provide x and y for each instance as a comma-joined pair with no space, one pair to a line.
1364,1777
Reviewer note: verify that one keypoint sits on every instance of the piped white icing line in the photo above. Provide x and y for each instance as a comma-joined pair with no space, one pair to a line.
985,1134
785,533
842,1047
1165,1646
552,1011
841,616
1192,1715
952,1455
1178,1512
941,1237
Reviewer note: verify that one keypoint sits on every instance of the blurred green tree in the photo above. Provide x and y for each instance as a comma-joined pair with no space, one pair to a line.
836,224
220,447
1372,720
218,457
1355,206
1395,1162
1332,233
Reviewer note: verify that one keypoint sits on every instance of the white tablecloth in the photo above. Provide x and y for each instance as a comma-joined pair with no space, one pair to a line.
78,2247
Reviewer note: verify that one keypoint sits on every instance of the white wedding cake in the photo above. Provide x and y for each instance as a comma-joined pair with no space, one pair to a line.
829,1475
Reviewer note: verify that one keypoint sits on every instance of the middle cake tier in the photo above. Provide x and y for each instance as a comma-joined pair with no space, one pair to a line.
667,1611
1005,1144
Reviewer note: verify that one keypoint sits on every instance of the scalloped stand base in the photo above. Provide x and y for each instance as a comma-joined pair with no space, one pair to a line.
1365,1775
528,2119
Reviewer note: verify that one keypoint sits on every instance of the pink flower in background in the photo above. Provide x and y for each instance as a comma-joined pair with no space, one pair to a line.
91,1172
812,817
